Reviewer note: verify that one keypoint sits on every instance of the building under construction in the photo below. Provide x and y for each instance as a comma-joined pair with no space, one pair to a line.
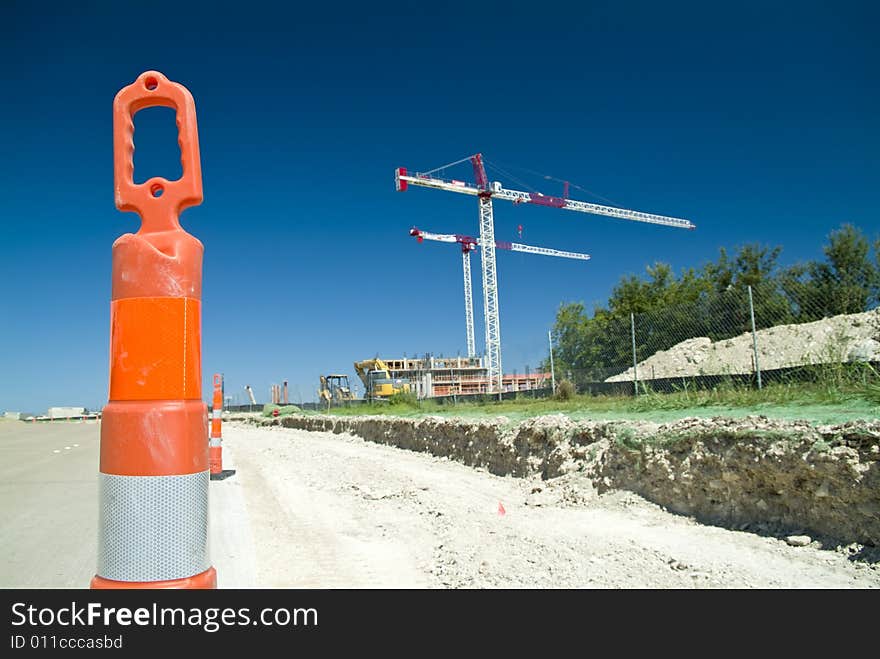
458,376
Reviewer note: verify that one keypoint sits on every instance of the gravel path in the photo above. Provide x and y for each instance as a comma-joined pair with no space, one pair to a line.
333,511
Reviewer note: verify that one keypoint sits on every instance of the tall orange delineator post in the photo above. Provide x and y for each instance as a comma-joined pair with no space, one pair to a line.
215,446
154,473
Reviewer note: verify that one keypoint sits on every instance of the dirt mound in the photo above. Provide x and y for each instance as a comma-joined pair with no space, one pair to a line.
852,337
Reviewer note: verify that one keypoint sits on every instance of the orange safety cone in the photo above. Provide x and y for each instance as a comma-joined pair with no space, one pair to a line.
154,474
215,448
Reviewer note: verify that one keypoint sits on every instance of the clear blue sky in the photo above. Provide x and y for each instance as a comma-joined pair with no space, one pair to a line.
759,122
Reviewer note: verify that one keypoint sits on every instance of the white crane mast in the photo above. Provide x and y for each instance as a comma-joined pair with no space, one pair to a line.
468,303
484,191
491,313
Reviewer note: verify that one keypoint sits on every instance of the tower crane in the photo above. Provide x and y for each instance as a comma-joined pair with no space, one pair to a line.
469,244
485,192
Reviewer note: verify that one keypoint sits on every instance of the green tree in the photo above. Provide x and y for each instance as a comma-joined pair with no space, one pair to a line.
849,279
713,301
755,265
805,299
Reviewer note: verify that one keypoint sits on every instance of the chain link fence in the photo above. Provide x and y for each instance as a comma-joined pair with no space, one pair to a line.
752,336
745,337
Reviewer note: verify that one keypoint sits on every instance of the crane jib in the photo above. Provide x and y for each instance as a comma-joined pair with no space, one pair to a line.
496,191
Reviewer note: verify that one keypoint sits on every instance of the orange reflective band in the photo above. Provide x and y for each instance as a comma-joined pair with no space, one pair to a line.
155,349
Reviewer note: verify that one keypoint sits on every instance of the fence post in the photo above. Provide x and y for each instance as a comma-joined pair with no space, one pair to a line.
552,369
754,337
632,323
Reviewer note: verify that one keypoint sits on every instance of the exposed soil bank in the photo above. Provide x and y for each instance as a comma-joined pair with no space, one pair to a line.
822,479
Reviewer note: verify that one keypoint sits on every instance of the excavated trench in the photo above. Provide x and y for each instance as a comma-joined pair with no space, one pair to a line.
730,472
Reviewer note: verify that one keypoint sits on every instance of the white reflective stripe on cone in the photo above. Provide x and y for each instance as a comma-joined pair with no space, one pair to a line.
216,413
214,441
153,528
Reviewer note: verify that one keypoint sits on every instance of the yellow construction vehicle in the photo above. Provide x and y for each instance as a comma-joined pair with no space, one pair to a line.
335,389
378,383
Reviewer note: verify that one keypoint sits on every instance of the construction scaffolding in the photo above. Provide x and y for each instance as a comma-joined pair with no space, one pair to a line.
431,377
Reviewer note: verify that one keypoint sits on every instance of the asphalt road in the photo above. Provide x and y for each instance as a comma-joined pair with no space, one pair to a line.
48,504
49,510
